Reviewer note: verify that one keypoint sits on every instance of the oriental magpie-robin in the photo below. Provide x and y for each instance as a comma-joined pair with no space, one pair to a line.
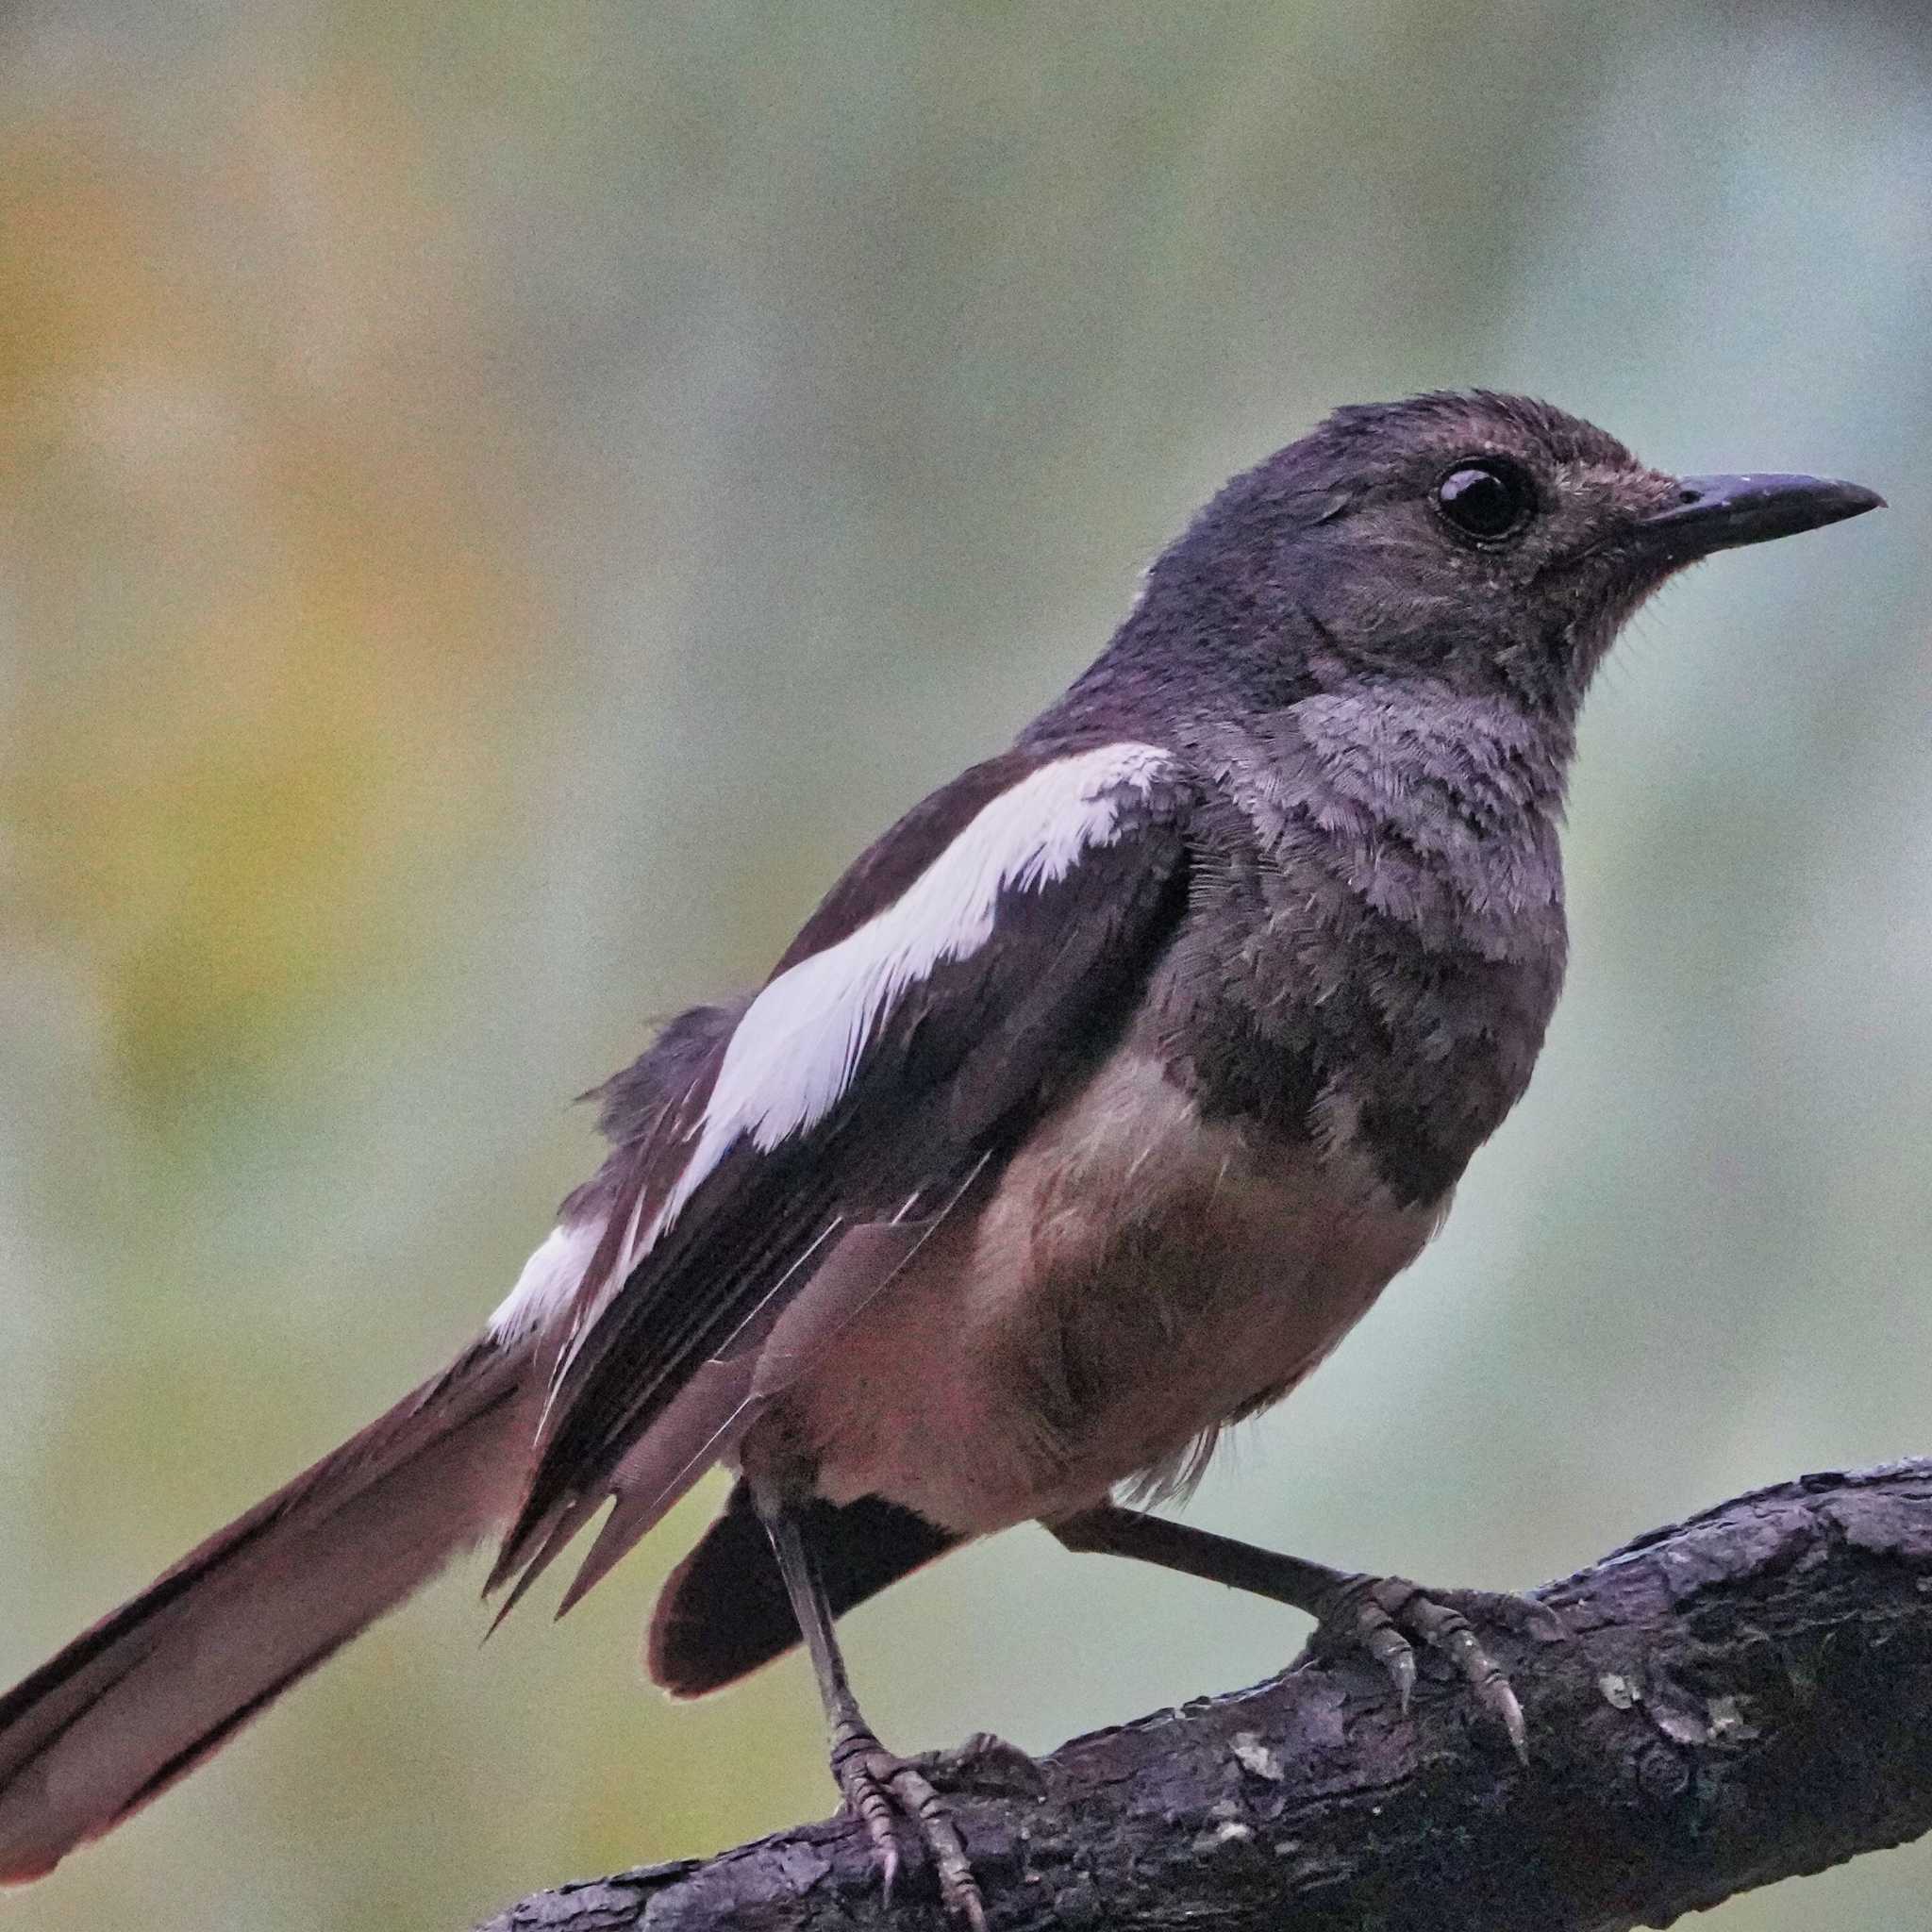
1091,1108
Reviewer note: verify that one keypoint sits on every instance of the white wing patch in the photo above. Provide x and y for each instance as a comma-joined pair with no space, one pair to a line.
549,1282
799,1043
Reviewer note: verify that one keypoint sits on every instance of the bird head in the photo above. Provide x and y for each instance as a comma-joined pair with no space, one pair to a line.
1482,543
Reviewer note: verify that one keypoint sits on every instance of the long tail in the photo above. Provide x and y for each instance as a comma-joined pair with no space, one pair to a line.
142,1697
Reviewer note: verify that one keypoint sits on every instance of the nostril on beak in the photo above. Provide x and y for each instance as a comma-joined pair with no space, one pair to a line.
1709,513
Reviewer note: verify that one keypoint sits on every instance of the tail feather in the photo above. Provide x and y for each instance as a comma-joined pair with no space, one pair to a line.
157,1685
722,1612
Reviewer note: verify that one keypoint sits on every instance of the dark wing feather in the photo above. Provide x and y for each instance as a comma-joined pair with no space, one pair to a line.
957,1069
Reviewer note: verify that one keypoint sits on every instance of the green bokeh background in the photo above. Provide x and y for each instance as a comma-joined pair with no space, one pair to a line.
497,503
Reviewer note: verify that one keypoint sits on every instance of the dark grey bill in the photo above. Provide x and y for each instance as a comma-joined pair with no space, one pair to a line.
1722,512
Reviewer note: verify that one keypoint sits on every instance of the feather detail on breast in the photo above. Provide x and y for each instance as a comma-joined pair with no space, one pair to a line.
1134,1279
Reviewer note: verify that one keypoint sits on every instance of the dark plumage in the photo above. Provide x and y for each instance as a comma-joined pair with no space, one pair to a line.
1094,1103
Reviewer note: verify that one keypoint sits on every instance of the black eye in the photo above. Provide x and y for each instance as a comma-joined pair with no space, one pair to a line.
1487,499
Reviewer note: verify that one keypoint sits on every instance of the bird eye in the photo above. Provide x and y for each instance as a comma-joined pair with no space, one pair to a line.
1487,500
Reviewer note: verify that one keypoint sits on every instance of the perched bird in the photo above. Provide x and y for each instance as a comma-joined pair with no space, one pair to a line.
1086,1114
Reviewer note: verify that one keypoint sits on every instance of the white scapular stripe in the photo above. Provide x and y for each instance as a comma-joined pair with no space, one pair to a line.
799,1043
551,1276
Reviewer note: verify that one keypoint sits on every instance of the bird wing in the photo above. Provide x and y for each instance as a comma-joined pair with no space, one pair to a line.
991,943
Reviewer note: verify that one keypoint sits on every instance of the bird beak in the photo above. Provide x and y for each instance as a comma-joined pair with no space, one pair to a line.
1722,512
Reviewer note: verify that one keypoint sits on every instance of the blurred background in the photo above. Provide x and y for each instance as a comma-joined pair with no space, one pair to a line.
499,502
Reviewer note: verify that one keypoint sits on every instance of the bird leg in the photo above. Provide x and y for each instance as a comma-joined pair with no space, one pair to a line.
1378,1614
875,1783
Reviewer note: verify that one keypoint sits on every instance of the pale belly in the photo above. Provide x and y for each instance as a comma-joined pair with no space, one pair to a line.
1134,1280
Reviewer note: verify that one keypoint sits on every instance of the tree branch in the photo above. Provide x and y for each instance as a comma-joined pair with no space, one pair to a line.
1743,1697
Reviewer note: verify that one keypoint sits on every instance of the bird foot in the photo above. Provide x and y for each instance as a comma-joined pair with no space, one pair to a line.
876,1785
1386,1616
986,1764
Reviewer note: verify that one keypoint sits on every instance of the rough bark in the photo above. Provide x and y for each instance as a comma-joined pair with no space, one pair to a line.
1741,1698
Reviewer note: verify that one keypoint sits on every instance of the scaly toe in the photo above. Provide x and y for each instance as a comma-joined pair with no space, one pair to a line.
927,1810
1363,1615
880,1788
856,1756
1508,1610
987,1764
1381,1614
1445,1628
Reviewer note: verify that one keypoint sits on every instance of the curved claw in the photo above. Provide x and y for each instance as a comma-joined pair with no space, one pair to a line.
927,1809
1378,1632
852,1754
1401,1668
876,1785
1363,1611
1381,1613
1448,1630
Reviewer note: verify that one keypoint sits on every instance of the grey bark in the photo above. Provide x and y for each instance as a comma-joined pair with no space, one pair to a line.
1741,1698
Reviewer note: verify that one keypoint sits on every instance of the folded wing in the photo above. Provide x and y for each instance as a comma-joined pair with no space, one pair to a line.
987,949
